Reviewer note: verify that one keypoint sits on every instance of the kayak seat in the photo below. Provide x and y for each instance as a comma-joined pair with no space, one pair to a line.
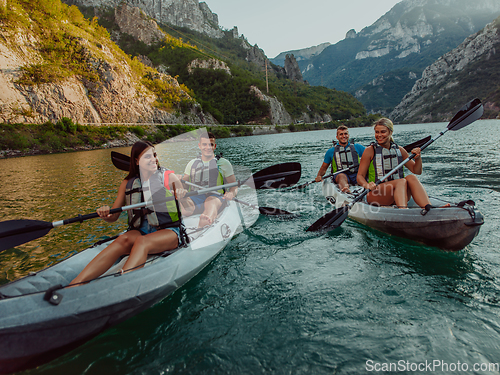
39,282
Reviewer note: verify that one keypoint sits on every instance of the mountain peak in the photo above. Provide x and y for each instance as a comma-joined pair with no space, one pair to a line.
181,13
301,54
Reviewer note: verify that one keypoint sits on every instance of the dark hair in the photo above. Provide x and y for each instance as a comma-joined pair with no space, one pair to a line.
137,149
207,135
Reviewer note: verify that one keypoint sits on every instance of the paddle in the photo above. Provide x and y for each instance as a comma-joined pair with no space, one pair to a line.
469,113
122,162
270,211
17,232
408,148
273,177
418,143
299,187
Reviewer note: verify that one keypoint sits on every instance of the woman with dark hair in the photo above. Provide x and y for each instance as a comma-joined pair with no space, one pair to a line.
150,231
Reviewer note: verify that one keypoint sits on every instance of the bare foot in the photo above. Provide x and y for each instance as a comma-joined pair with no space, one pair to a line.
345,189
204,221
446,205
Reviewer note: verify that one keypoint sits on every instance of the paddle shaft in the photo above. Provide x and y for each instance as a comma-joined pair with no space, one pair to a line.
220,194
396,168
16,232
327,176
81,218
334,174
469,113
263,210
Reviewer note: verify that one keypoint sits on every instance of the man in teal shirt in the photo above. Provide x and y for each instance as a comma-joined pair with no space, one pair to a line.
341,156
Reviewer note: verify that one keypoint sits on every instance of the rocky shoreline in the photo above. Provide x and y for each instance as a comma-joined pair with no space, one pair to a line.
5,154
127,140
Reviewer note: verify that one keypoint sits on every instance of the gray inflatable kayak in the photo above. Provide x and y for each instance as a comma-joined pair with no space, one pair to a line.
40,321
449,228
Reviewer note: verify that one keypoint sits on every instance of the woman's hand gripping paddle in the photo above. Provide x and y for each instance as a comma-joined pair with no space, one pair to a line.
469,113
17,232
122,162
407,148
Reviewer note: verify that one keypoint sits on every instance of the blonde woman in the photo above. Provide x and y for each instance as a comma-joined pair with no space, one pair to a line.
385,155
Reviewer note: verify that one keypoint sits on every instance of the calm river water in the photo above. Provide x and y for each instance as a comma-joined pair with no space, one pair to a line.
278,299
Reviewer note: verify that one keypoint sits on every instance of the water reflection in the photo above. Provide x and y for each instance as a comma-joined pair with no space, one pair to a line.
56,187
329,301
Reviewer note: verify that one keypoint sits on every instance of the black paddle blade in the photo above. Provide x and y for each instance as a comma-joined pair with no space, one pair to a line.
271,211
418,143
16,232
278,176
120,161
469,113
330,220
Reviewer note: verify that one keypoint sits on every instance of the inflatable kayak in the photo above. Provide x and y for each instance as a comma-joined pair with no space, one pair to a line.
449,228
40,320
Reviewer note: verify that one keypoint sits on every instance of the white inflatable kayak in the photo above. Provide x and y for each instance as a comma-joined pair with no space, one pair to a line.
449,228
40,320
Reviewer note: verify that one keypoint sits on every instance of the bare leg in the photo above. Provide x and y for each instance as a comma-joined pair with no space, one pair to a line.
388,193
417,191
401,197
151,243
343,183
106,258
212,205
187,206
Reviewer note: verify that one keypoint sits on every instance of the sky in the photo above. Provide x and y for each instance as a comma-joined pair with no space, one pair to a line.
283,25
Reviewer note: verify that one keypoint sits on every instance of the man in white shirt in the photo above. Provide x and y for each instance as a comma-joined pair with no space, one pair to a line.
208,170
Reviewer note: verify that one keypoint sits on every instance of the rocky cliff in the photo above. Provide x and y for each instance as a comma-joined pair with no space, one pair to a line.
398,46
300,54
132,21
472,69
182,13
277,113
111,91
292,69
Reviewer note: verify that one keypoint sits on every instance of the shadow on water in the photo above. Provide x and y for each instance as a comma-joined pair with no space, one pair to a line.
422,259
457,275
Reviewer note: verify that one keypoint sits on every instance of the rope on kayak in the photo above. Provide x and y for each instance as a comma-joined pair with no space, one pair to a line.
55,298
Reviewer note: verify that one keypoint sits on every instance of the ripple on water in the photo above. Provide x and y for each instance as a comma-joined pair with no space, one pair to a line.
279,299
